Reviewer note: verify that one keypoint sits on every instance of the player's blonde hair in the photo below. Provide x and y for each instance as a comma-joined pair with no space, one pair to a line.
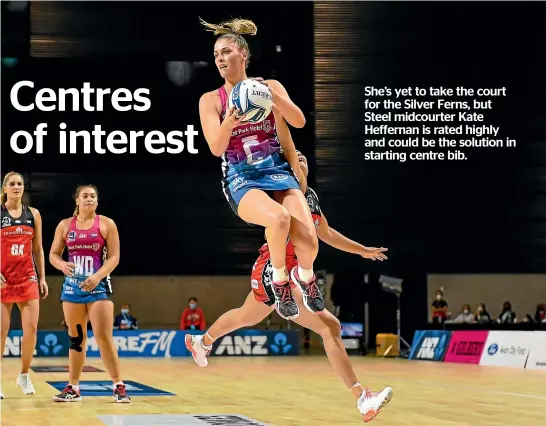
234,30
3,195
77,194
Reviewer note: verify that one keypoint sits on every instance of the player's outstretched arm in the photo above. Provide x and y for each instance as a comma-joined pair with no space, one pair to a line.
339,241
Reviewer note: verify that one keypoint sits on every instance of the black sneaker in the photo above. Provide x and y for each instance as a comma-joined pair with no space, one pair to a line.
69,394
312,297
120,395
284,301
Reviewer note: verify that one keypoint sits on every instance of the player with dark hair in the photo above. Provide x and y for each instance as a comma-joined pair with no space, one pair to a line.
93,247
258,305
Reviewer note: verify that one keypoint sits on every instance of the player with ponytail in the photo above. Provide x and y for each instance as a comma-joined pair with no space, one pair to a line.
262,186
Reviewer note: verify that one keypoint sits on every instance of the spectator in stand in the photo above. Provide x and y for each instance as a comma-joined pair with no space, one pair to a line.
439,308
193,317
482,316
507,316
124,321
466,316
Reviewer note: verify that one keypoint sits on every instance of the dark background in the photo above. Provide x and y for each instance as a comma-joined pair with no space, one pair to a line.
486,215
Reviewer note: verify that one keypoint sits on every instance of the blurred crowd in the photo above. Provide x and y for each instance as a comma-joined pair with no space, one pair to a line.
480,315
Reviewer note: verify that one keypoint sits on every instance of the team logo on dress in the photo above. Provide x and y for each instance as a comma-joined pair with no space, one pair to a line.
310,201
6,221
94,235
82,236
267,274
96,246
279,177
71,236
267,126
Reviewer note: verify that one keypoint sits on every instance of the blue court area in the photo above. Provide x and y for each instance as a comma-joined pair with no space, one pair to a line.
104,388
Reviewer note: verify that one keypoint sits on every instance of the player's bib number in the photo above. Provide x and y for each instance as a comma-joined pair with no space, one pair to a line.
84,265
254,150
17,249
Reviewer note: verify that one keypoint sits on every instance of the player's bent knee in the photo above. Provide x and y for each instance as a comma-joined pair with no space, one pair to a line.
307,240
76,341
279,219
283,219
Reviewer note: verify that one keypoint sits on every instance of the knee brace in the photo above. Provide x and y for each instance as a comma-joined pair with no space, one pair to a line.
76,342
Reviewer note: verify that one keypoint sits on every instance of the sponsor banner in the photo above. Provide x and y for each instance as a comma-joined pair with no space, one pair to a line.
104,388
429,345
48,344
163,343
466,346
143,343
258,342
537,356
507,348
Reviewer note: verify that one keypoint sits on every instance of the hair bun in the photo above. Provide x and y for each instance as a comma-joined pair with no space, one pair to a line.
235,26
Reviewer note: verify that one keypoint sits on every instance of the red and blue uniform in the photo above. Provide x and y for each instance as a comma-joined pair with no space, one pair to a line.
253,160
87,250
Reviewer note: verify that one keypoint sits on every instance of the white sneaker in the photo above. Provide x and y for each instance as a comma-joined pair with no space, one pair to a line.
370,403
194,344
26,385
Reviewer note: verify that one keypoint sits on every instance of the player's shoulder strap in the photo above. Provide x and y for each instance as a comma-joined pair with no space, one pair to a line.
28,211
223,99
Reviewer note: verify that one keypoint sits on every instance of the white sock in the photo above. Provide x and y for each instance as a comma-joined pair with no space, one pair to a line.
207,347
305,274
75,387
279,275
118,383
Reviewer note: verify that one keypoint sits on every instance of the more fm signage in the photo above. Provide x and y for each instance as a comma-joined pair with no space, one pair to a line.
163,343
517,349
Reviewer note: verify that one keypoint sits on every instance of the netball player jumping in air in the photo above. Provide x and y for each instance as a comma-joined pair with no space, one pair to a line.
22,253
258,305
260,185
92,241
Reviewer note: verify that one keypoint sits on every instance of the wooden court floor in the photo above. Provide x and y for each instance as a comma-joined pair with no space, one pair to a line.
293,391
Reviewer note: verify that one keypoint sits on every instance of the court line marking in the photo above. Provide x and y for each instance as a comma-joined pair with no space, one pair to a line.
522,395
